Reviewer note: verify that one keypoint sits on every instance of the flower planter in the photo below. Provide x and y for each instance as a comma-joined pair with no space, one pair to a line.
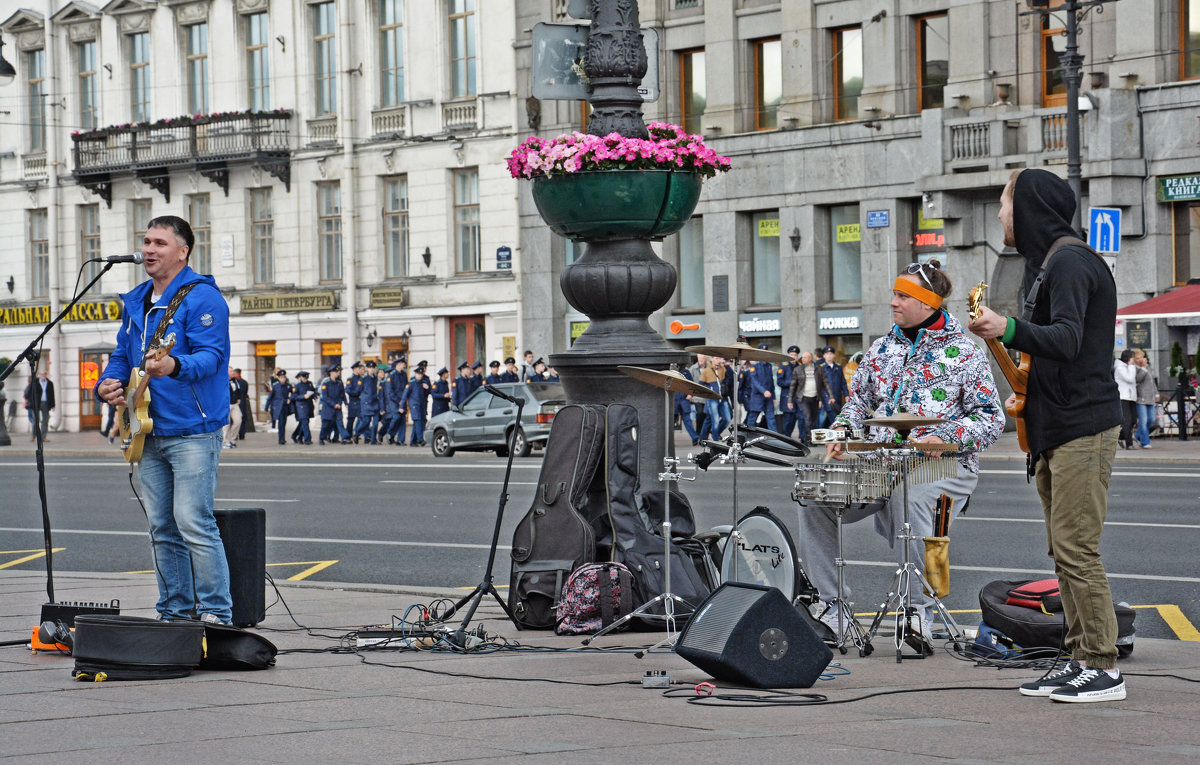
598,205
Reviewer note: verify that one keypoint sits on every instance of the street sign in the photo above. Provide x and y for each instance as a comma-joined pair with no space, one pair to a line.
1104,229
878,218
558,51
504,258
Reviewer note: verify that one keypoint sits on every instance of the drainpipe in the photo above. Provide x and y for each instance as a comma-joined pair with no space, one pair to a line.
346,124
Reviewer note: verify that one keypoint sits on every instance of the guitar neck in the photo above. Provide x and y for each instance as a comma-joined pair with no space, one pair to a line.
1017,377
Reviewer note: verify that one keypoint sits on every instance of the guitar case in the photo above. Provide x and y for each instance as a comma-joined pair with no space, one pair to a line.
1044,626
554,538
118,647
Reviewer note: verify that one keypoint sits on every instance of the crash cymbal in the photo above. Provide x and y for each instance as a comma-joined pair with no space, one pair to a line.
739,351
668,380
904,421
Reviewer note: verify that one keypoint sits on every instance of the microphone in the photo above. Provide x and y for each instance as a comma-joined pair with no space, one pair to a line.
501,394
135,258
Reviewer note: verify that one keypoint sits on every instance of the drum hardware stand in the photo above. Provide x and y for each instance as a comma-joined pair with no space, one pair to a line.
670,473
900,595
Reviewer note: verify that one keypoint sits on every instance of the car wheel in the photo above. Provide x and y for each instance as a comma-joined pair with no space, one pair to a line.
521,446
441,444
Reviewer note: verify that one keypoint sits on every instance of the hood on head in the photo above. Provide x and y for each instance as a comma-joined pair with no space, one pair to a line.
1043,207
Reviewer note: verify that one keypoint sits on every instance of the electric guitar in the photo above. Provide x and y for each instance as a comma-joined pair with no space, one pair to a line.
1017,373
133,420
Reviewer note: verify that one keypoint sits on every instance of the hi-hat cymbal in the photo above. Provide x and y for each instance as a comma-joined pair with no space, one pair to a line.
739,351
904,421
668,380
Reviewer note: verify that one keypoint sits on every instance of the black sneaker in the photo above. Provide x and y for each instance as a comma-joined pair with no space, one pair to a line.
1051,681
1091,685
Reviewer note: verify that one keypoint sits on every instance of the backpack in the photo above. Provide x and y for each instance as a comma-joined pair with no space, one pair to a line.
595,596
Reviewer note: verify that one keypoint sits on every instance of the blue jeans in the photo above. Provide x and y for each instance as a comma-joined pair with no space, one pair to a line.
178,476
418,431
716,419
683,409
1145,415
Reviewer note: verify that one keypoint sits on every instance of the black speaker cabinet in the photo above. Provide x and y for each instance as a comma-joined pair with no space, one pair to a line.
244,534
752,635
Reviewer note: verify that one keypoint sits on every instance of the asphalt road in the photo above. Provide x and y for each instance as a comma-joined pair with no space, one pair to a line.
346,517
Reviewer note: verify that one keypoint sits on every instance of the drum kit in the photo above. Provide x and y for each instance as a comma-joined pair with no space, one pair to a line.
759,548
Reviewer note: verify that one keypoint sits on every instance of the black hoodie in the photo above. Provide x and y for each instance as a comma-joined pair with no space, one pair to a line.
1070,335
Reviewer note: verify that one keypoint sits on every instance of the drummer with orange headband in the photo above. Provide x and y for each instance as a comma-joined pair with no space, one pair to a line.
925,366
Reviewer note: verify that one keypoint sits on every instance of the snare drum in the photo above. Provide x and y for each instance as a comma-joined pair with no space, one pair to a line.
856,480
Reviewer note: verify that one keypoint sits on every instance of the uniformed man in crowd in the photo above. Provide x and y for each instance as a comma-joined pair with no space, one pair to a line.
368,406
416,398
354,387
510,371
397,381
461,386
279,402
385,420
539,372
303,398
494,375
441,392
333,403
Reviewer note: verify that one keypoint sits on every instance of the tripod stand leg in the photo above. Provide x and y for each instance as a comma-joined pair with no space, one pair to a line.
667,599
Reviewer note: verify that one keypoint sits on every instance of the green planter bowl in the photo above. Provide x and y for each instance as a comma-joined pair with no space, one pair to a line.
596,205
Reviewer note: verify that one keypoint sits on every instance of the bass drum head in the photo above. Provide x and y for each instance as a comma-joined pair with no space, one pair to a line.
765,554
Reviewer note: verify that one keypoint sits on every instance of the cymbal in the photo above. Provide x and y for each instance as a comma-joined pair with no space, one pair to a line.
669,380
739,351
904,421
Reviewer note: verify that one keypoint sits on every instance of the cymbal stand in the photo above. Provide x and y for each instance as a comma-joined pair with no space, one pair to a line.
667,597
900,595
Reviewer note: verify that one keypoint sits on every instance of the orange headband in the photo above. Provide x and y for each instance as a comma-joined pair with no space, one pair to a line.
912,289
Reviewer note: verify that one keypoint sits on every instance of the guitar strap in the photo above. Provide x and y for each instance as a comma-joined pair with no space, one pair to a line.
169,314
1031,298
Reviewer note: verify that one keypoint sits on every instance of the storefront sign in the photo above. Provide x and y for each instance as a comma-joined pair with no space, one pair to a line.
755,324
1179,188
299,301
685,327
839,322
508,345
89,374
100,310
928,224
849,232
331,349
388,298
264,349
769,227
577,329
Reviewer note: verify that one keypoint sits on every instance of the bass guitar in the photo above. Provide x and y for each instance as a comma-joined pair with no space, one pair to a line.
1017,373
133,419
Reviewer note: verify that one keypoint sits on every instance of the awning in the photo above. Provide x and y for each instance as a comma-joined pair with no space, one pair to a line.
1179,303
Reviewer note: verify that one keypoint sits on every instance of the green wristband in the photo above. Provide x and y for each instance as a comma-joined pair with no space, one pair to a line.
1009,331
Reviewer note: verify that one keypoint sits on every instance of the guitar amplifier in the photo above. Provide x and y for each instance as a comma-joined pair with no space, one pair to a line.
244,535
66,612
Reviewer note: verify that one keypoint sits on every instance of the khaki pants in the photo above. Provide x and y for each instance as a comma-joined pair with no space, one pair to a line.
1072,481
235,424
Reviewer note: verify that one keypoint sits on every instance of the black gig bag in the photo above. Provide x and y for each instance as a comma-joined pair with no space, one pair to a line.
117,647
233,648
1039,627
554,538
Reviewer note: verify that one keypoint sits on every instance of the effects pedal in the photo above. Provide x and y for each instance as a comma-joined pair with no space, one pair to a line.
656,678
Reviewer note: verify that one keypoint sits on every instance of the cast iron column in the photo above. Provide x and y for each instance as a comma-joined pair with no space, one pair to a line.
619,283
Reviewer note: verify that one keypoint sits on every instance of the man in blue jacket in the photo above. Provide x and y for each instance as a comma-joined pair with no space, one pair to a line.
441,392
761,380
783,378
279,402
354,386
416,399
368,404
333,399
189,404
303,400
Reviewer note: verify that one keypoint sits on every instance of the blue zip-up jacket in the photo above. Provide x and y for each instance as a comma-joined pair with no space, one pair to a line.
369,399
416,398
354,387
333,393
196,400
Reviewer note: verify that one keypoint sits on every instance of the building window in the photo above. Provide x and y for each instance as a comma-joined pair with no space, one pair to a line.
847,72
325,57
258,62
329,228
140,213
86,68
764,254
1054,47
395,226
768,83
200,258
692,89
691,264
1187,243
139,76
462,48
572,251
391,52
35,68
39,254
1189,39
466,220
845,253
197,68
262,235
933,60
89,239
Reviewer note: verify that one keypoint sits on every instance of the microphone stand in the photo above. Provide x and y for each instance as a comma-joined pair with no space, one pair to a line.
458,638
30,354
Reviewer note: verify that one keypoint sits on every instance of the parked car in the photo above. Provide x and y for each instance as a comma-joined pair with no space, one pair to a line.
484,422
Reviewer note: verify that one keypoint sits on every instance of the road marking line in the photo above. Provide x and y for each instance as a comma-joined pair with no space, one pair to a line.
1131,473
36,554
1034,571
1106,523
476,483
1173,616
316,565
497,586
255,500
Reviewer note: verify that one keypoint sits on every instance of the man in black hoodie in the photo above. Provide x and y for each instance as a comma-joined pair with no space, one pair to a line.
1072,416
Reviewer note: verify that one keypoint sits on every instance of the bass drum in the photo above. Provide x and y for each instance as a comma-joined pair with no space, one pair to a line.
765,555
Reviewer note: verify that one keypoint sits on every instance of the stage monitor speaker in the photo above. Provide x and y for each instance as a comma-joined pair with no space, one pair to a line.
244,534
751,635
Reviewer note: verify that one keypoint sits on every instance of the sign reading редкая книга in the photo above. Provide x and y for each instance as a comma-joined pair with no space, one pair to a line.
1179,188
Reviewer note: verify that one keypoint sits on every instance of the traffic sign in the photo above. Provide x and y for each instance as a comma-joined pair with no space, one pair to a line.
1104,229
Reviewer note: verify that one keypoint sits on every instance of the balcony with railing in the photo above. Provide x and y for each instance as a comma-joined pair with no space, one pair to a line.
994,138
391,121
33,166
208,143
460,114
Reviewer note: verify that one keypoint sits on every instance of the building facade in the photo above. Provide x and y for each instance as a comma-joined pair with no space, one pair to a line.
869,135
341,163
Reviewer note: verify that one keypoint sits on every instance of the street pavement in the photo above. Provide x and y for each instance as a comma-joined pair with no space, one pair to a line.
323,702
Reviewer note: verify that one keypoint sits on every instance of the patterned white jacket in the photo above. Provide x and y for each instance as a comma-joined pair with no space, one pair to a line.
942,374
